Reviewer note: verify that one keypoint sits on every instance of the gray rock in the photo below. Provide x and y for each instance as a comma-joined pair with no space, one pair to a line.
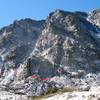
64,48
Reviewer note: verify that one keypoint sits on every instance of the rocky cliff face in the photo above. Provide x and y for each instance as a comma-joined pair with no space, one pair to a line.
65,48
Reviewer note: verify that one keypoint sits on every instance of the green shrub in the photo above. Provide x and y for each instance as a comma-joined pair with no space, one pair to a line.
67,89
51,91
47,93
36,97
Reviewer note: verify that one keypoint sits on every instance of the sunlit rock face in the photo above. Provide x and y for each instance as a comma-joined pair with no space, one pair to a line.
94,17
64,48
67,41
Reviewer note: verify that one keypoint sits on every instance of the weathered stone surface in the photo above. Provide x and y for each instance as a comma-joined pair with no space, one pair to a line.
94,95
11,96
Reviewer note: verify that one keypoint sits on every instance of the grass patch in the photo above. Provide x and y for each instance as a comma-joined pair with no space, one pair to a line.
51,92
67,89
36,97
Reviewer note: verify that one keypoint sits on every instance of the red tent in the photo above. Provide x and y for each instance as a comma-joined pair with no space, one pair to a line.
34,76
44,79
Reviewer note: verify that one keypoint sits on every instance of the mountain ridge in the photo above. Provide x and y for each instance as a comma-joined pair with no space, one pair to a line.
64,48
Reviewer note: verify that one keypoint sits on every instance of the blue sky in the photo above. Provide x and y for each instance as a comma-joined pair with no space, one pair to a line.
11,10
